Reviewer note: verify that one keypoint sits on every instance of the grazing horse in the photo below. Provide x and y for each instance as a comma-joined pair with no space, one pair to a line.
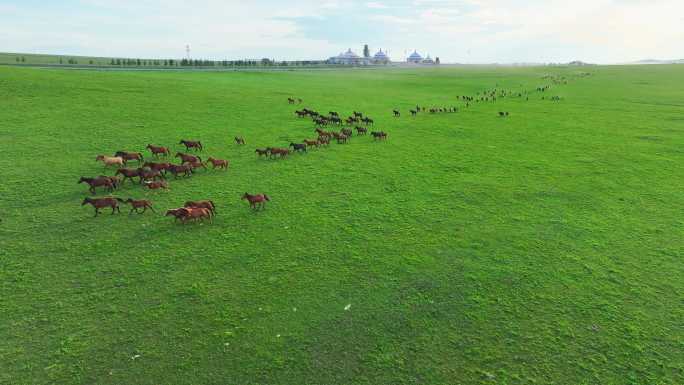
380,135
129,173
239,140
136,205
157,150
99,203
299,147
206,204
187,158
157,185
310,143
367,120
99,181
361,130
110,160
220,163
178,169
195,144
126,156
259,199
262,152
396,113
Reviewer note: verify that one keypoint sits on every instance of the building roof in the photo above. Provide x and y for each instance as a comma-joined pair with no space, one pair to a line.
380,55
415,56
349,55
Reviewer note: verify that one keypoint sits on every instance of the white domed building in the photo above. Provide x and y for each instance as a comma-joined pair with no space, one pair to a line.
414,58
348,57
381,58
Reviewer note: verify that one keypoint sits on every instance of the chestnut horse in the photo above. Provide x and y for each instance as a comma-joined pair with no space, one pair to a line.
206,204
310,143
157,185
278,151
254,200
157,150
143,204
99,203
220,163
195,144
162,167
184,169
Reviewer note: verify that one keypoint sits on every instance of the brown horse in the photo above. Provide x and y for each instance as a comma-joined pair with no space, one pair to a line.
177,213
148,174
99,203
379,135
194,144
324,140
157,185
143,204
187,158
162,167
220,163
239,140
195,165
129,173
282,152
158,150
111,161
206,204
310,143
262,152
100,181
126,156
361,130
182,169
254,200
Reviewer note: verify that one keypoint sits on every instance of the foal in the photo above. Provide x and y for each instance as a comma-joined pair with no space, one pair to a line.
259,199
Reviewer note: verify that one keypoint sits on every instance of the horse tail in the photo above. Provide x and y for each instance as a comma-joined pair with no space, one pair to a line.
267,198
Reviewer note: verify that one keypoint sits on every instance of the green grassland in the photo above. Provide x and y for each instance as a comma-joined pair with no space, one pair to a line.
542,248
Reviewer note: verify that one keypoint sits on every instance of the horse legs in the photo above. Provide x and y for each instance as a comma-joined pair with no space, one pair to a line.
132,209
97,211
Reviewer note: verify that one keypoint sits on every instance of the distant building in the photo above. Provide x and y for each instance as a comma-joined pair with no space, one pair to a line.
414,58
349,58
381,58
428,60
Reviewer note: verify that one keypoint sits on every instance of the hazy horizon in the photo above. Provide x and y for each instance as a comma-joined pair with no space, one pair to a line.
457,31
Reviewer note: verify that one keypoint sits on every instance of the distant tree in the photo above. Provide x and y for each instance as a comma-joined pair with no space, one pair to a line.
118,62
138,62
90,62
366,51
18,59
60,61
23,59
111,63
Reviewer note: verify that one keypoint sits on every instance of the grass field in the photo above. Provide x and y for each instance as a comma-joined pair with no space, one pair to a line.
542,248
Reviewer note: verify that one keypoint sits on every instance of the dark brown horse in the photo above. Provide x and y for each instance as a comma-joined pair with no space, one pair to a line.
129,173
148,174
161,167
136,205
100,203
187,158
178,214
361,130
254,200
282,152
194,144
262,152
158,150
100,181
220,163
180,169
126,156
379,135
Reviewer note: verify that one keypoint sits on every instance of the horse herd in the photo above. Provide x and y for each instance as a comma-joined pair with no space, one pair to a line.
153,175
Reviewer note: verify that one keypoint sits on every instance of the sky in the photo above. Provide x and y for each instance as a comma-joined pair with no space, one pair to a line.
457,31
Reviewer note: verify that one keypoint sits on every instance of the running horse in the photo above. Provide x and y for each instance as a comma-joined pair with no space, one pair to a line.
158,150
194,144
256,201
100,203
